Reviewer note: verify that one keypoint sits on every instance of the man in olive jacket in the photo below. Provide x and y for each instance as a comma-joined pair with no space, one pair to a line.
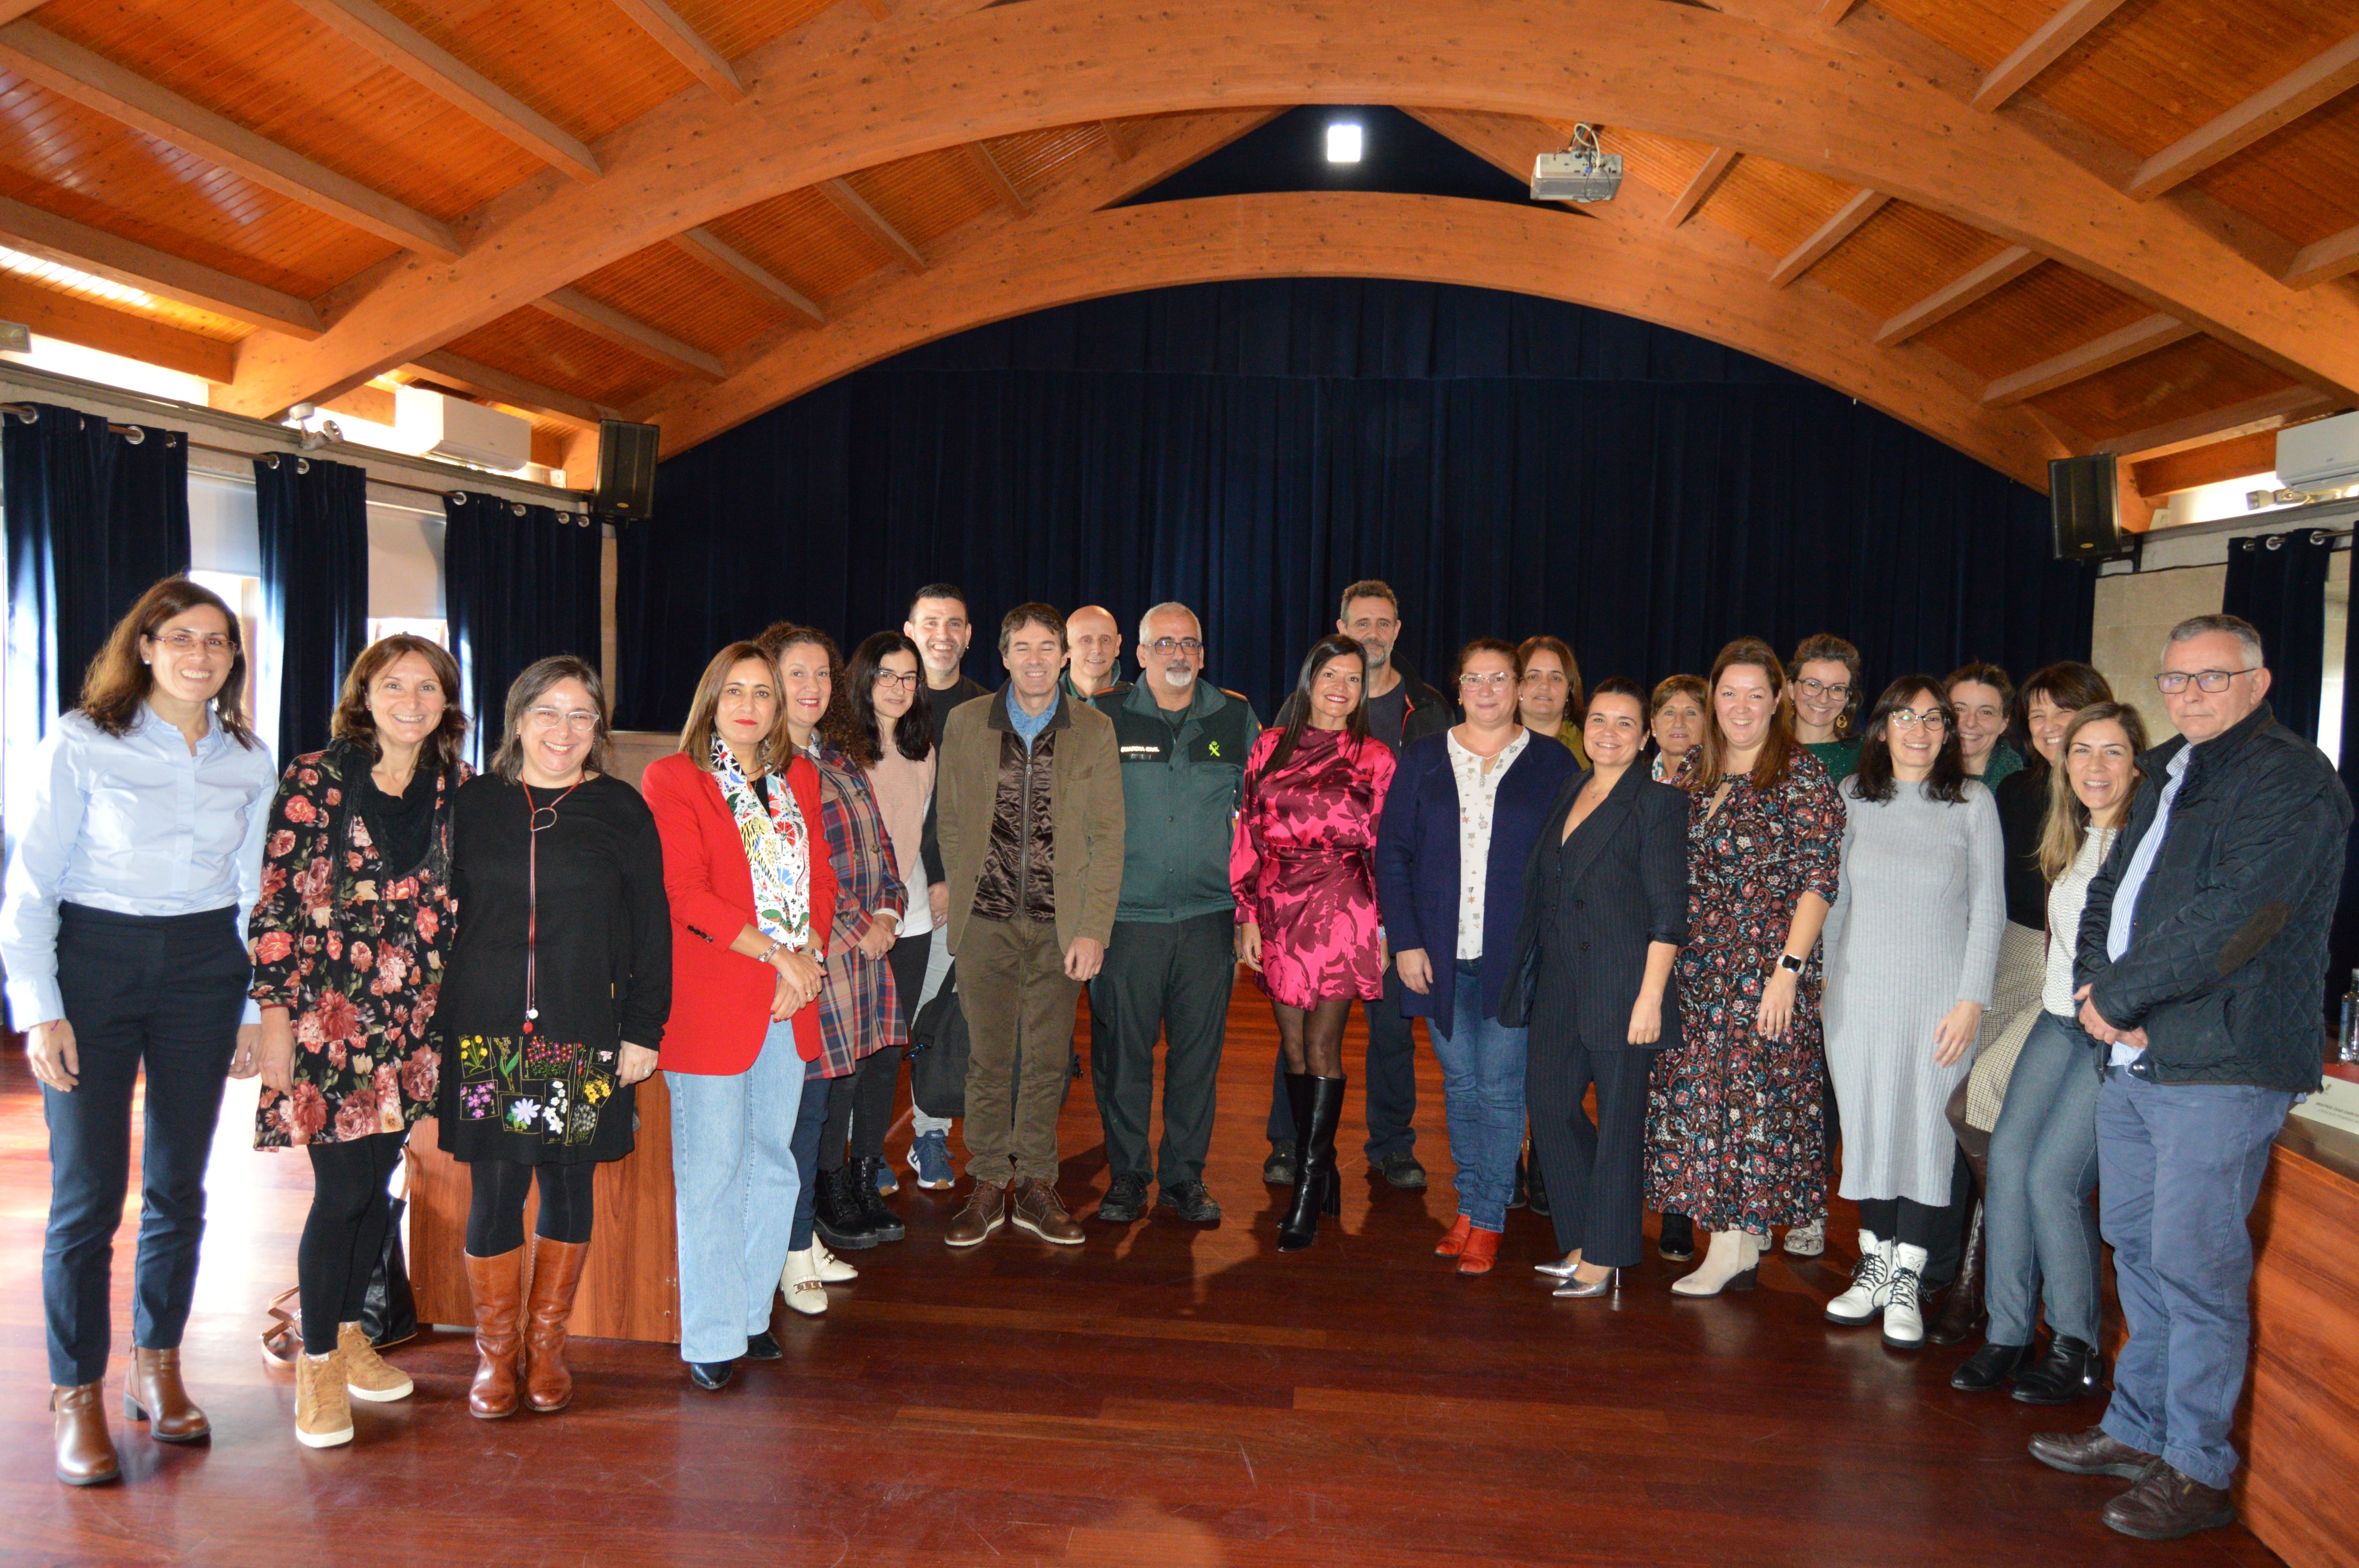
1028,801
2201,963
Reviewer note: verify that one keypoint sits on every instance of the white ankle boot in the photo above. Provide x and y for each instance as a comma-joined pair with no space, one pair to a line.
1728,1265
1871,1283
1904,1318
805,1291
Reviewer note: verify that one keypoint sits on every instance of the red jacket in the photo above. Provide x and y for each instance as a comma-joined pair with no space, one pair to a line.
720,1000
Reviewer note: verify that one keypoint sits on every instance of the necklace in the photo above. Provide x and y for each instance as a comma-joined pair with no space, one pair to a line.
534,827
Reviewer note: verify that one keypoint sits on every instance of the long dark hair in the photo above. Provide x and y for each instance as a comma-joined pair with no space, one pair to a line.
1947,782
119,680
1778,747
353,723
2071,684
863,737
1293,715
776,639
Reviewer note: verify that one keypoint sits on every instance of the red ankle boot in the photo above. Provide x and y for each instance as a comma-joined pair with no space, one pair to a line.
1482,1251
1452,1245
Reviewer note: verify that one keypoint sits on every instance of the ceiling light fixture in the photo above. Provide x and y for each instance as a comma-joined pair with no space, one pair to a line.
1344,141
1582,172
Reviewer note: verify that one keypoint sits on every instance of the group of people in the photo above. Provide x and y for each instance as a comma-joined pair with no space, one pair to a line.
1774,935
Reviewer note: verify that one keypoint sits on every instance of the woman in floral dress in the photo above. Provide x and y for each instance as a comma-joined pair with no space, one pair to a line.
1301,866
1735,1127
349,936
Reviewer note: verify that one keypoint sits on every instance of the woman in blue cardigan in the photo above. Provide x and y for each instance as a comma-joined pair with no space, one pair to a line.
1464,810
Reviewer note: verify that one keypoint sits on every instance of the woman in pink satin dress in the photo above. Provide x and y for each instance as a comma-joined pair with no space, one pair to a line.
1314,788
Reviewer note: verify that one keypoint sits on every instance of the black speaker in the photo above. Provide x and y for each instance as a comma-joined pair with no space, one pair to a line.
627,470
2086,511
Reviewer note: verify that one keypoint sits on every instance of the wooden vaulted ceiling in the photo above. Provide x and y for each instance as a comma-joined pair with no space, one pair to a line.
2029,227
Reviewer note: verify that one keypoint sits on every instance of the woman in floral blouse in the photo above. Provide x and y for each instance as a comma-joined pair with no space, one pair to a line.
349,938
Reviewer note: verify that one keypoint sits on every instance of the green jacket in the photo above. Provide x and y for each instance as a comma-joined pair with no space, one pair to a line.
1181,790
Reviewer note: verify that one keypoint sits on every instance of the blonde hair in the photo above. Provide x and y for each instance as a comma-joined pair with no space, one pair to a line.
2067,827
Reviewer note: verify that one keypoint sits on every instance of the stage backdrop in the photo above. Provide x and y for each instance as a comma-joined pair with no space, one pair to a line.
1511,465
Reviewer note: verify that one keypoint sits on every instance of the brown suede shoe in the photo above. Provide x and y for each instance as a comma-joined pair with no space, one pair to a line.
2092,1453
152,1393
2166,1504
555,1275
86,1453
1038,1210
985,1212
497,1285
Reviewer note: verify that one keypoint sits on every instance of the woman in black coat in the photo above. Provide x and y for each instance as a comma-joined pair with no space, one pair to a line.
1605,908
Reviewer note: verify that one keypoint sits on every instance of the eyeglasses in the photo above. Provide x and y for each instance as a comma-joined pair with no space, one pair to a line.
1169,645
1491,680
906,681
1816,688
188,642
1908,718
2173,682
559,719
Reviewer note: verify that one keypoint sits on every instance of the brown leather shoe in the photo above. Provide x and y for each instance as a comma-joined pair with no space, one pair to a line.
86,1453
2095,1452
2166,1504
985,1212
152,1393
555,1275
497,1283
1040,1210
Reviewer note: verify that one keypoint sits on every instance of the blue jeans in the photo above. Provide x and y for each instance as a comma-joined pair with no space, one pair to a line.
2178,1168
2037,1225
1482,1093
808,1122
734,1185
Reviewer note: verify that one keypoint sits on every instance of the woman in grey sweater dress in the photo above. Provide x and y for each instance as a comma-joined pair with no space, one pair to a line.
1911,944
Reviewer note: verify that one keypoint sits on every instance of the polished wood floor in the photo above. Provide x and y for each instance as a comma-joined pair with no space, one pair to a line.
1163,1395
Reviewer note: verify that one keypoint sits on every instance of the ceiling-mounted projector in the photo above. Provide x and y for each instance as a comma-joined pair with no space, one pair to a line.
1582,172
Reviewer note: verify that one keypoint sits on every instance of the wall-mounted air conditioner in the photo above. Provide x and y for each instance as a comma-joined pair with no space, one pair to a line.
461,431
2321,455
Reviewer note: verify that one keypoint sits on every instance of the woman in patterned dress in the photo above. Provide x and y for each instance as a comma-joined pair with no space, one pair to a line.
349,936
1301,865
1734,1117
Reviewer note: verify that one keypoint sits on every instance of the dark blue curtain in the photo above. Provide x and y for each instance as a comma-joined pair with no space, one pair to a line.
2277,581
2345,941
519,583
1511,465
313,517
94,520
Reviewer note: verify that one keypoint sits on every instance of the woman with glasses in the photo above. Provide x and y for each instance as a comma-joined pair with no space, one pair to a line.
1825,676
1460,821
554,1008
1912,942
1981,700
1675,719
1548,696
136,856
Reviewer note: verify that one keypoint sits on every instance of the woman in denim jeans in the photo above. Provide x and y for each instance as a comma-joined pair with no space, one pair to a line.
2039,1231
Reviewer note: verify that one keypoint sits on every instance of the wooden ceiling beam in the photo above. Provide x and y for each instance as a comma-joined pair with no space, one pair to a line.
488,381
2238,456
1830,235
71,318
873,223
424,61
1118,137
686,45
579,309
2047,44
2334,257
43,234
1699,189
731,262
1952,298
1833,12
97,83
1002,188
2133,341
2287,99
2266,412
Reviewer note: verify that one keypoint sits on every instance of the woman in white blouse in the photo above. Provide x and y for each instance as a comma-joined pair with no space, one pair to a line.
122,934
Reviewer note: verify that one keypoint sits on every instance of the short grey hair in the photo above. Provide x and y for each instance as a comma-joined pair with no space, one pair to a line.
2249,637
1174,606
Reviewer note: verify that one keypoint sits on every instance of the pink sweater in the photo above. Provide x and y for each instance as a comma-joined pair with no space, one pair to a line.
903,789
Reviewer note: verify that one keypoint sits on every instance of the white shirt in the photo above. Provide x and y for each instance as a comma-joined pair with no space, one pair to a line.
2133,882
1478,799
2068,895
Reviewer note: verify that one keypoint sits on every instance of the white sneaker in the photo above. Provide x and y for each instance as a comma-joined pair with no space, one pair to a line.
1807,1240
1904,1318
801,1283
833,1269
1871,1283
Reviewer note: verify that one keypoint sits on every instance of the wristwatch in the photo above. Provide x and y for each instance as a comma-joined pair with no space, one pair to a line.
1791,964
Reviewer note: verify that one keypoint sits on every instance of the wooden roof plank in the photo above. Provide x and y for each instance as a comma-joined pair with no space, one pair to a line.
710,249
2268,409
686,45
853,206
1684,205
470,376
2071,23
1831,233
2333,257
579,309
1949,299
73,320
43,234
430,65
2133,341
98,83
996,178
2289,97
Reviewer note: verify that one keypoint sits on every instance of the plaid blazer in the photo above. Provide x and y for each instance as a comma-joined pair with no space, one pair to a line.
859,1011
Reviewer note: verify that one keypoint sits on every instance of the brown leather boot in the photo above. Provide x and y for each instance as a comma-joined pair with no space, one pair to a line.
1960,1315
1035,1206
2166,1504
152,1393
497,1285
86,1453
985,1212
556,1274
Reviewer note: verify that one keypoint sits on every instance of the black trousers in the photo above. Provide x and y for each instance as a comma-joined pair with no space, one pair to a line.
1387,1085
343,1236
1904,1220
1170,979
495,1197
162,993
1594,1170
860,1109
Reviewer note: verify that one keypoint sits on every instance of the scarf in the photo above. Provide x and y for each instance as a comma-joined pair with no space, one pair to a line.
777,849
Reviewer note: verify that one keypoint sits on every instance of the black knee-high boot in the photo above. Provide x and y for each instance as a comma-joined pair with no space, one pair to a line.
1317,1188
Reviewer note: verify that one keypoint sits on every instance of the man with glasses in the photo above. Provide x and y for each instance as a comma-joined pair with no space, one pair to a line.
1172,963
2200,965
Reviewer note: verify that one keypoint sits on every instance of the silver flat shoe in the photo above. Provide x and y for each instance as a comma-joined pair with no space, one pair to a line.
1573,1290
1555,1270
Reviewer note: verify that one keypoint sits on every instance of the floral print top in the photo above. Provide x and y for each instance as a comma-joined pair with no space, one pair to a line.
353,949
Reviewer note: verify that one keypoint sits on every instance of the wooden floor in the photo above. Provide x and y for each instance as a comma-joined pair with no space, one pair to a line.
1163,1395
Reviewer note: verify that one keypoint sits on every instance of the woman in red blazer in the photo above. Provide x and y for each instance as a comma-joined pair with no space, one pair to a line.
739,814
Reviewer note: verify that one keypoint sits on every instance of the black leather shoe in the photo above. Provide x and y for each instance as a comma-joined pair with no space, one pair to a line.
763,1347
1678,1240
1992,1365
836,1212
2166,1504
1522,1194
1539,1191
2070,1370
1190,1202
1125,1199
710,1375
1277,1170
884,1221
1401,1169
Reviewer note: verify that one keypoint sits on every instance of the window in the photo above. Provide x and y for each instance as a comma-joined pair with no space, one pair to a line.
433,630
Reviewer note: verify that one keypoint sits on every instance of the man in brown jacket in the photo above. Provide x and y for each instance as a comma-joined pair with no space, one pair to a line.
1028,809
